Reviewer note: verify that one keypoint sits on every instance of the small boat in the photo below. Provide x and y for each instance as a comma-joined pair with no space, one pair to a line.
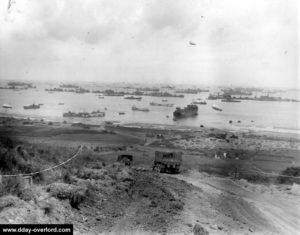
7,106
121,113
199,102
132,97
216,107
134,108
31,106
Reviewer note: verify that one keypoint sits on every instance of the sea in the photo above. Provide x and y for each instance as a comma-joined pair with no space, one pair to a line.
248,114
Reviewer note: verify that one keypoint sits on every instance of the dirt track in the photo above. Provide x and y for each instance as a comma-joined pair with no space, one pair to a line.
223,206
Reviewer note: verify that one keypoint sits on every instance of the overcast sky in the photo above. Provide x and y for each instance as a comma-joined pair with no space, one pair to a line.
238,42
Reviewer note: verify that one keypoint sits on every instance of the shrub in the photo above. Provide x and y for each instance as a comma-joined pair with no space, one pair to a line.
255,178
48,209
6,142
67,177
12,185
290,171
199,230
8,201
177,205
76,199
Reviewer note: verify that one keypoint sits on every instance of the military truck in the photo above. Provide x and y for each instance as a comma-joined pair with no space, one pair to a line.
125,158
167,162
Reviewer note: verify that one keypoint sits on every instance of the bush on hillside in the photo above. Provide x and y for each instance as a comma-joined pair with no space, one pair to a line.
288,174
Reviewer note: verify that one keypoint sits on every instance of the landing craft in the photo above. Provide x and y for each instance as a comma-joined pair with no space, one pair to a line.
7,106
215,107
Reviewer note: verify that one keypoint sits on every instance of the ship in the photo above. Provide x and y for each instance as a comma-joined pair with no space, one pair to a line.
134,108
132,97
7,106
228,98
214,97
231,100
216,107
198,101
163,105
189,111
32,106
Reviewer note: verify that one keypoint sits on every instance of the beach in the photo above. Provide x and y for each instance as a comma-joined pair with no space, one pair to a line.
228,181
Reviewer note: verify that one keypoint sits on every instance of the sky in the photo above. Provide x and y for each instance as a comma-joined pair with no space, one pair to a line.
234,42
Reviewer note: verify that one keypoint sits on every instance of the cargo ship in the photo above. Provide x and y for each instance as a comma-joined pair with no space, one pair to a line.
189,111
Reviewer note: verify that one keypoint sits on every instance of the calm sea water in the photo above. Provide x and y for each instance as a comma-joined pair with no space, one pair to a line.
279,116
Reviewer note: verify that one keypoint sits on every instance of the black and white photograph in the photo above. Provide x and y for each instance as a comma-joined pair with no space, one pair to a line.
171,117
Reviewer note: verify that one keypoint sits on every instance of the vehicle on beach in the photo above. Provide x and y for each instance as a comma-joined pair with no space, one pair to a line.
189,111
167,162
100,97
125,158
84,114
164,100
61,103
216,107
132,97
32,106
7,106
121,113
134,108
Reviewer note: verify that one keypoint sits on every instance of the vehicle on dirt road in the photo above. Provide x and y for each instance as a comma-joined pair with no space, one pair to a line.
167,162
125,158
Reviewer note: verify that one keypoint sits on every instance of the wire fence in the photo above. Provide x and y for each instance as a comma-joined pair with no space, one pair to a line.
49,168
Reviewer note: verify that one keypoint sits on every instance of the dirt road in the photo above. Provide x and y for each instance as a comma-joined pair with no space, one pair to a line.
223,206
